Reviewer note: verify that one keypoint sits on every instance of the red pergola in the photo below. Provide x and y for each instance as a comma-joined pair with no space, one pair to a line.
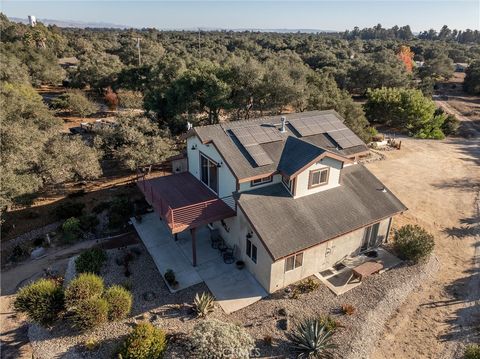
183,202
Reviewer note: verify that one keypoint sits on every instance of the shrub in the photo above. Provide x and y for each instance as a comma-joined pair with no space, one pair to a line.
472,351
69,209
144,342
413,243
450,125
74,101
71,229
170,277
329,323
203,304
85,286
308,285
88,222
312,339
99,208
42,301
348,309
90,313
216,339
90,261
91,344
119,302
120,210
130,99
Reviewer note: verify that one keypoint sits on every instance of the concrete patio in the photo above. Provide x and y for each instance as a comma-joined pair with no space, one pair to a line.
340,281
233,289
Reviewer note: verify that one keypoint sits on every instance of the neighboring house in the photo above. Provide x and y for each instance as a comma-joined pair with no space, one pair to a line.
286,192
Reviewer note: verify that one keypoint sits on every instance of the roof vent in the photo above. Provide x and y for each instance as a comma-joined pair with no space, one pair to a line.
284,121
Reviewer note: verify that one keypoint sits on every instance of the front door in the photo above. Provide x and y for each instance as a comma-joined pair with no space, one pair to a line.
370,237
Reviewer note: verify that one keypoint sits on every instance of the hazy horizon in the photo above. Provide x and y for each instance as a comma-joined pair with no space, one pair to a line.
265,15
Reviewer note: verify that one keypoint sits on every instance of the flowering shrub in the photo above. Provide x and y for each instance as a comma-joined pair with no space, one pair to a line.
216,339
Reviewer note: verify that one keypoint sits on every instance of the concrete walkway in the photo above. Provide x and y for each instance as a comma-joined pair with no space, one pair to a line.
233,289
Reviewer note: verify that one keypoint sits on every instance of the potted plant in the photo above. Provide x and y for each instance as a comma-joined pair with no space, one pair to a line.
170,278
240,264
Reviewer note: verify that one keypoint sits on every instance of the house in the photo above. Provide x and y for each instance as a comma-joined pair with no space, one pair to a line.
286,193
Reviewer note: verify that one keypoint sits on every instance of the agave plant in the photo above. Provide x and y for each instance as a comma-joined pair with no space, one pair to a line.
312,339
203,304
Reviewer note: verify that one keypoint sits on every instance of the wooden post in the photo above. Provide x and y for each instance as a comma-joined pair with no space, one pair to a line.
194,247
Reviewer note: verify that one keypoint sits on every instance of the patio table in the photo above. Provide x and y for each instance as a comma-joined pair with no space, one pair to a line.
366,269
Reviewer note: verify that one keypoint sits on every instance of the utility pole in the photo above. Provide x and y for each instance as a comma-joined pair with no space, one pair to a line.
199,54
139,56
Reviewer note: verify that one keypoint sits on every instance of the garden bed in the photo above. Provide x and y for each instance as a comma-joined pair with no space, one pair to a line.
374,301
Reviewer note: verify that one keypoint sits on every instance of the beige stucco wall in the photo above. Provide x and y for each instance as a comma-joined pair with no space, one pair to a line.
321,257
227,183
246,186
333,178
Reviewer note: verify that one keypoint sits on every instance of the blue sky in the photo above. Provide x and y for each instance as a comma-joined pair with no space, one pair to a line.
324,15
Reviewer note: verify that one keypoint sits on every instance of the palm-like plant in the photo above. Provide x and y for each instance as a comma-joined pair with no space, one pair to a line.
203,304
312,339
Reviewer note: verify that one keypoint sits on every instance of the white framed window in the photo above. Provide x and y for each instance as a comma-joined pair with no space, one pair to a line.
293,262
251,251
259,181
318,177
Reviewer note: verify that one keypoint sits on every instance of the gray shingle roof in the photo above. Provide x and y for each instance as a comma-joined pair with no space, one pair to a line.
297,153
287,225
238,159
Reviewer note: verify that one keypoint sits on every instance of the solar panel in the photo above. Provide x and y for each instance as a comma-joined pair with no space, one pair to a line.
314,125
259,155
252,136
345,138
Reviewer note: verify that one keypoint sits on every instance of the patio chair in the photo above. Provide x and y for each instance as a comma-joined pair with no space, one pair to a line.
222,247
229,255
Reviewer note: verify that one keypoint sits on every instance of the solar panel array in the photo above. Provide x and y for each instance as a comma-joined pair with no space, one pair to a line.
318,124
330,124
252,136
345,138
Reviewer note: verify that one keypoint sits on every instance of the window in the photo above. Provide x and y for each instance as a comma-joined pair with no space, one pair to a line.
259,181
251,251
209,172
318,177
293,262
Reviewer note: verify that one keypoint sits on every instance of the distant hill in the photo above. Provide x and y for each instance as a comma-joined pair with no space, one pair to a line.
72,23
83,25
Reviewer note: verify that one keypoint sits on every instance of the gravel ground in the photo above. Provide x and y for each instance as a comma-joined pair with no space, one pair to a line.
375,300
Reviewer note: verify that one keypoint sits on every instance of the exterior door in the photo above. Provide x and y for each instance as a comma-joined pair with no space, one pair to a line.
370,237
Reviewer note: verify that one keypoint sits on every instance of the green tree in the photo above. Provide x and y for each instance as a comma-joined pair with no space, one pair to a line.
472,78
406,109
97,70
76,102
440,67
135,141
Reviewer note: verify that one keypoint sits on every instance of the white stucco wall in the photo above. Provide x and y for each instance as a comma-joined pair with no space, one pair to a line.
227,183
302,179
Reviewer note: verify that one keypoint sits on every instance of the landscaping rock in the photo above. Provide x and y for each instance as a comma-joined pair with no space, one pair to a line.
37,252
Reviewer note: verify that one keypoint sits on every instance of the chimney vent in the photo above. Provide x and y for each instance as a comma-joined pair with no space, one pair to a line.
284,120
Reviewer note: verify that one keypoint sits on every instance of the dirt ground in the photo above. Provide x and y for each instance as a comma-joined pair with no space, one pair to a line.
439,181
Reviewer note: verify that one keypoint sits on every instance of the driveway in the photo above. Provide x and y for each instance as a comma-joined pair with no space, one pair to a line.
233,289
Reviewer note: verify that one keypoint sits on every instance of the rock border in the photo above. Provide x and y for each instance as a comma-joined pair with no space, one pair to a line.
376,319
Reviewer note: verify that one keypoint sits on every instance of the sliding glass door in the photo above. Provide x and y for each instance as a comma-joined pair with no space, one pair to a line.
209,172
370,237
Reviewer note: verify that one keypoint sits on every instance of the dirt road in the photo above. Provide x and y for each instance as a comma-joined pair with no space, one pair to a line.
439,181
